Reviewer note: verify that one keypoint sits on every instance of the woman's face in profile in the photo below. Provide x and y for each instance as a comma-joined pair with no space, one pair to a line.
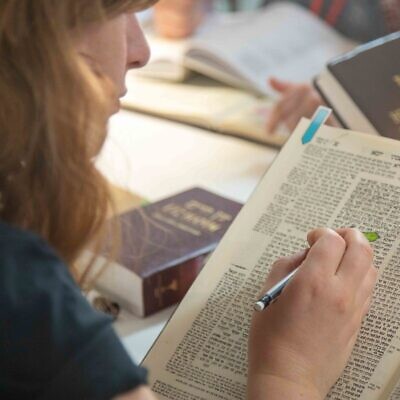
114,47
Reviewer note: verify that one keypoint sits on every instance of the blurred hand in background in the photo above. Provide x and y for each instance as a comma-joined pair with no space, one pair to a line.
296,100
177,19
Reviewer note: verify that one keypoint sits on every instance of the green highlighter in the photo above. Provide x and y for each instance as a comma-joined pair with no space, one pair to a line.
371,236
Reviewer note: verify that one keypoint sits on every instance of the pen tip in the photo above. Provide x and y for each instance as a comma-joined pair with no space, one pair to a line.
259,306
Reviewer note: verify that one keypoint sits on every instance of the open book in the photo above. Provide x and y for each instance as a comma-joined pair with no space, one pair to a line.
337,178
240,50
244,49
205,103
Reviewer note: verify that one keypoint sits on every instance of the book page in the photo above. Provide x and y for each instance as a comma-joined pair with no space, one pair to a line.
205,103
283,39
386,377
338,179
395,395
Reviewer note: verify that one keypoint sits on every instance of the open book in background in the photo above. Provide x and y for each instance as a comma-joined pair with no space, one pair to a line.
203,102
239,50
243,49
337,178
363,87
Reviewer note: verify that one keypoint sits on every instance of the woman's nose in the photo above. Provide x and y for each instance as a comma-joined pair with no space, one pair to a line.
137,47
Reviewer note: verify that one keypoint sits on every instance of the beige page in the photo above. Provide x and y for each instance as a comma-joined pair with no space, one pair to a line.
338,179
207,104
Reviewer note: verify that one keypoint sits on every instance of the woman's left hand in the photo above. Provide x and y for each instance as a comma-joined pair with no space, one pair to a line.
297,100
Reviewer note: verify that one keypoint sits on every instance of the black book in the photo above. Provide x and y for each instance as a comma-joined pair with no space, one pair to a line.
363,87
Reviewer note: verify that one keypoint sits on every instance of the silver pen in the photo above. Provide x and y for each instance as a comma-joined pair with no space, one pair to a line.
274,292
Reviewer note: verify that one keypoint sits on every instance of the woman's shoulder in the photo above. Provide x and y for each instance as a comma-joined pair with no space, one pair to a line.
53,335
15,241
27,262
33,279
24,251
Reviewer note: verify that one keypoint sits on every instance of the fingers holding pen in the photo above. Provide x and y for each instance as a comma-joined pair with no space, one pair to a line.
341,263
358,256
327,249
338,263
356,271
283,267
348,248
323,304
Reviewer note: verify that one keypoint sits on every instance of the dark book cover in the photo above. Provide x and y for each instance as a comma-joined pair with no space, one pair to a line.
370,75
165,242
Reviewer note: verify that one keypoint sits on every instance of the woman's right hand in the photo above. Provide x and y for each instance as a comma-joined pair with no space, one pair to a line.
300,344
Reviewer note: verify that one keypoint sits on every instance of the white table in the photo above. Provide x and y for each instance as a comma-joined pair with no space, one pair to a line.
158,158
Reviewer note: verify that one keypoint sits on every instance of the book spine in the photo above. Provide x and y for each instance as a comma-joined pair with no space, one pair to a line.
327,101
169,286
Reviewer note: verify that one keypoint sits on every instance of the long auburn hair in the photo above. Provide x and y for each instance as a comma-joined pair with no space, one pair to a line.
53,121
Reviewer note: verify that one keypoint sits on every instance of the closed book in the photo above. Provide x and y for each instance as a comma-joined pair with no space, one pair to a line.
363,87
163,247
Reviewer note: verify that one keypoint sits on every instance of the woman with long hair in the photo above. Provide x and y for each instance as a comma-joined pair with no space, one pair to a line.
62,70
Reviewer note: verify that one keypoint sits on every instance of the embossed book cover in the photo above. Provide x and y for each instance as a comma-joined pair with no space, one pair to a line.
163,247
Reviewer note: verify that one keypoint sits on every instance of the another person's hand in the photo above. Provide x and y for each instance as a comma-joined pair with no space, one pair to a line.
297,100
300,344
178,19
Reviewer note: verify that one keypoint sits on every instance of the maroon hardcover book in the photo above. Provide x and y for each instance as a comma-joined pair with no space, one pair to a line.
163,247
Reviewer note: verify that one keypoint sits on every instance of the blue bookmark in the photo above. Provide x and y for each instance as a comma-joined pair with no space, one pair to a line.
318,119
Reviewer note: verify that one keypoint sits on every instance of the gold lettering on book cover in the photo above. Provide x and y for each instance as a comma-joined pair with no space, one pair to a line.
161,289
193,216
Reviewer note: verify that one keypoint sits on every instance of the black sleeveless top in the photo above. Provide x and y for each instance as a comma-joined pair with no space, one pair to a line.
53,345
